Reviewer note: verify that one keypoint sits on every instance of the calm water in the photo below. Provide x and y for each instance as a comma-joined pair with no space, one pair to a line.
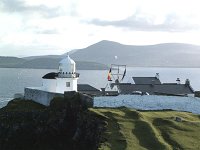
14,80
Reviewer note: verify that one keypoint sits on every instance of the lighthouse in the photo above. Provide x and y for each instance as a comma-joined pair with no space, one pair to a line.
67,76
64,80
55,84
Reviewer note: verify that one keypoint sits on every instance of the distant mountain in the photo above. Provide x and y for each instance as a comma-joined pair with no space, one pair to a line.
50,56
44,56
163,55
10,61
40,63
46,62
52,63
104,53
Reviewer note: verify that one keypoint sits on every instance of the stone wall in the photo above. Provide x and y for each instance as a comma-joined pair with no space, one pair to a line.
40,96
150,102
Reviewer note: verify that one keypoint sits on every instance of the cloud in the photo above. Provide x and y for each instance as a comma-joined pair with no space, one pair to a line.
29,50
50,31
140,22
32,25
19,6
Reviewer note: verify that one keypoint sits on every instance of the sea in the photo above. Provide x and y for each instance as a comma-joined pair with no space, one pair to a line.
13,80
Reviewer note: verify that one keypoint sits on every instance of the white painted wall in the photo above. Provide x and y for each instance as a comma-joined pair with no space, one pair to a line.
191,95
61,84
150,102
39,96
49,85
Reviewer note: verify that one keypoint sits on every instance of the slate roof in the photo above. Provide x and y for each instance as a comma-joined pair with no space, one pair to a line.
169,89
113,84
86,87
146,80
51,75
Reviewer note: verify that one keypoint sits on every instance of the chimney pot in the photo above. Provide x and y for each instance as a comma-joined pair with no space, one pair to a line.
157,76
178,81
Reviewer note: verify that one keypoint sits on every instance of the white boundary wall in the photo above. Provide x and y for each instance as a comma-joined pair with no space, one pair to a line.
150,102
42,97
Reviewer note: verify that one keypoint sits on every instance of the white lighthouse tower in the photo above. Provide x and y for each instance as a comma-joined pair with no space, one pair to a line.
64,80
55,83
67,76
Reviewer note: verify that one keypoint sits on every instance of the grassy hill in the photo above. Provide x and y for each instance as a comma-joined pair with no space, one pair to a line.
128,129
68,124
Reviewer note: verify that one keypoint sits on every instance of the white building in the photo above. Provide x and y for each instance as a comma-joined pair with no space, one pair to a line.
55,83
64,80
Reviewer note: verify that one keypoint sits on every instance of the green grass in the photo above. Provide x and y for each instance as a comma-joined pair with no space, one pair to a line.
129,129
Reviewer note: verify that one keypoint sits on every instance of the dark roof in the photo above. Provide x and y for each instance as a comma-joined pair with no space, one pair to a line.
51,75
146,80
169,89
113,84
86,87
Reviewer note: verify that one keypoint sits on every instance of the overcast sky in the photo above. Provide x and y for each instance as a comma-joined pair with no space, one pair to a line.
40,27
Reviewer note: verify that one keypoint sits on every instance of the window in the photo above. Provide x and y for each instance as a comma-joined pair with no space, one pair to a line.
67,84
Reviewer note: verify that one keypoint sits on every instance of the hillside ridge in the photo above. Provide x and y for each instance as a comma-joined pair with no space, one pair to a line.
106,52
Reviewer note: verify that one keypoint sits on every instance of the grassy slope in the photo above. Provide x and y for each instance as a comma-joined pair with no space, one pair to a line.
130,129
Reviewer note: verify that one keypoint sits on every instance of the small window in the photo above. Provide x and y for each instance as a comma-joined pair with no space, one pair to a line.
67,84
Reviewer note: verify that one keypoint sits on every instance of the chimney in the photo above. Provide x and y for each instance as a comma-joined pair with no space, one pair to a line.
178,81
187,82
157,76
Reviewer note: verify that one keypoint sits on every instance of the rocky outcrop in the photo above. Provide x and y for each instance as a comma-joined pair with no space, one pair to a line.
65,124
